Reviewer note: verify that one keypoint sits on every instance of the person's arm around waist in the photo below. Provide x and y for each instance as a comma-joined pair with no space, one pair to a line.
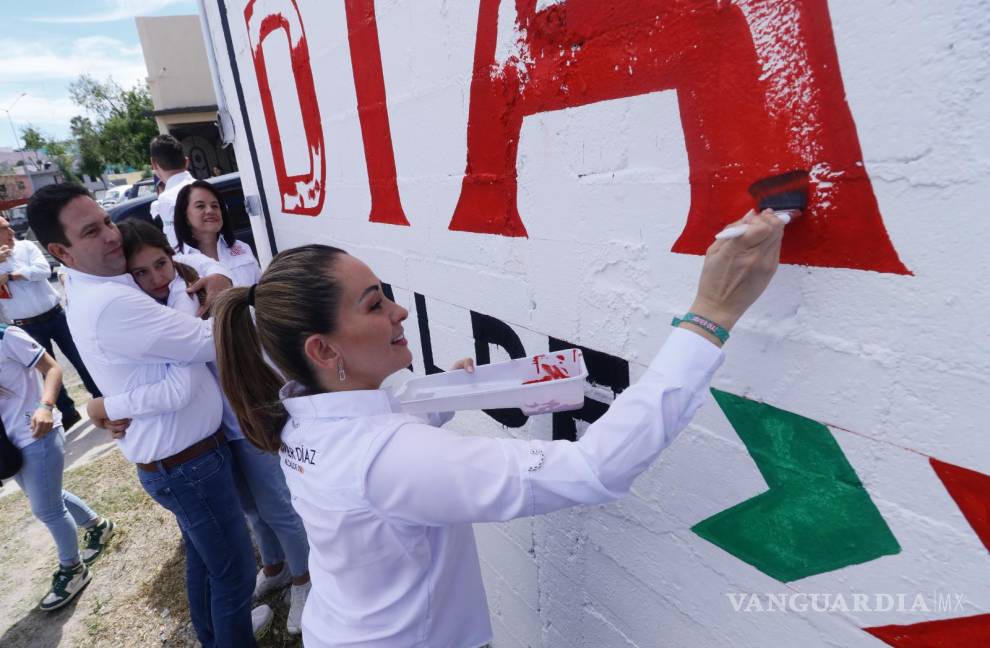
173,393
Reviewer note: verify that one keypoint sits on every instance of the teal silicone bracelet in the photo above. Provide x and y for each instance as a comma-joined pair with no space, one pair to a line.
704,323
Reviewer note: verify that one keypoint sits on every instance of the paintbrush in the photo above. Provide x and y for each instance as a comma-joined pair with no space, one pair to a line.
786,194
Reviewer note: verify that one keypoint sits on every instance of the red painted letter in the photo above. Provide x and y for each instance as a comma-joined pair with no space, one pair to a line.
743,119
369,82
301,194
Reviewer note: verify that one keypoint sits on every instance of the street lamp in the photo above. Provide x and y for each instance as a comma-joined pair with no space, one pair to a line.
14,132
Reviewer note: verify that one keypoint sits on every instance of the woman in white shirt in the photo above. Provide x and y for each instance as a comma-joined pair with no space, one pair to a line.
387,499
203,225
33,425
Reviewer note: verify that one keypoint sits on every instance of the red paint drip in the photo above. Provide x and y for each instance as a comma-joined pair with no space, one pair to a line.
737,130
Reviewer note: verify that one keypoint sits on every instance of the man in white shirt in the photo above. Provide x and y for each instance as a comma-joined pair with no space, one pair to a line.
31,303
169,163
131,343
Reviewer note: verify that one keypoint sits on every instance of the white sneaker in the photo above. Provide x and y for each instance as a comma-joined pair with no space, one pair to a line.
266,584
261,618
296,597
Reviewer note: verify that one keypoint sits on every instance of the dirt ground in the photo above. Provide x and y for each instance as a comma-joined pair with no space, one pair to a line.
137,596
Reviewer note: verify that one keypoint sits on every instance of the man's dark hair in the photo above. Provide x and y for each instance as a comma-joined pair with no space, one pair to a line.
167,152
44,207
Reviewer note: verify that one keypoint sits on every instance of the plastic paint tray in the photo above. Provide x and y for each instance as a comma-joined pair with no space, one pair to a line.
549,382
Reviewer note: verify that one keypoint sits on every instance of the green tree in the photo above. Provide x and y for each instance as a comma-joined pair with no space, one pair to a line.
58,151
34,141
91,161
122,120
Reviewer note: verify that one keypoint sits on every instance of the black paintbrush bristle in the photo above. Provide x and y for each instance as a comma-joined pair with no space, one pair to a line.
784,191
784,201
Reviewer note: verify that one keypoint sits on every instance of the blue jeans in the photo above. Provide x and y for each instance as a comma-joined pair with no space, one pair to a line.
41,480
57,329
265,498
219,556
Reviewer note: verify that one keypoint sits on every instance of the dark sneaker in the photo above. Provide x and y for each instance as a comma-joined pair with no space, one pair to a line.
69,419
97,537
67,582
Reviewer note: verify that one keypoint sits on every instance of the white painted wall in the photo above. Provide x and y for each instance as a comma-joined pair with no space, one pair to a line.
898,366
178,76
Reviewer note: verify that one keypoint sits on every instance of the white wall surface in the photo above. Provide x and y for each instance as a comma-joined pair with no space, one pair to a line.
897,366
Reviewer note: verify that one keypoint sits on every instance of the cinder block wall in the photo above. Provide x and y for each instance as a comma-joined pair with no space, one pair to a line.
530,174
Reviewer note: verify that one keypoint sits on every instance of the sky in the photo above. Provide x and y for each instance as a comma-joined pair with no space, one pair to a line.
46,45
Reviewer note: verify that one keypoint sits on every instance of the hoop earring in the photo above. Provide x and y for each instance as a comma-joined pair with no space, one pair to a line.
341,376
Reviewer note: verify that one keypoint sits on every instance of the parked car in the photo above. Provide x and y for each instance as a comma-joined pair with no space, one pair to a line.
141,188
228,185
115,195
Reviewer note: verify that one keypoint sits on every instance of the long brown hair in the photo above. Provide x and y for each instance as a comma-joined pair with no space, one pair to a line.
297,296
136,234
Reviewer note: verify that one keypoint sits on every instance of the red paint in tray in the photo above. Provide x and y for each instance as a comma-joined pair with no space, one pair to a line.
553,372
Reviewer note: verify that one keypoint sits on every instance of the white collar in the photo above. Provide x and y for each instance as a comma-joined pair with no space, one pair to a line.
223,250
346,404
178,179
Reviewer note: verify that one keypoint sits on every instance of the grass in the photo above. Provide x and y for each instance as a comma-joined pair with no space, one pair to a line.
137,596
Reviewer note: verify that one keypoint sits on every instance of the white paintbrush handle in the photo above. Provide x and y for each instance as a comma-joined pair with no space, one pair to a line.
738,230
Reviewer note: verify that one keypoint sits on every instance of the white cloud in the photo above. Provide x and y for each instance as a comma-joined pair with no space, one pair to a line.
98,56
50,116
115,10
45,69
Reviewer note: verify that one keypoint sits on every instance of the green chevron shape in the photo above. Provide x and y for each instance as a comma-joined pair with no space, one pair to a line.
816,516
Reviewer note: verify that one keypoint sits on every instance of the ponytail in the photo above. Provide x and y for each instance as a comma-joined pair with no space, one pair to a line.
297,296
250,383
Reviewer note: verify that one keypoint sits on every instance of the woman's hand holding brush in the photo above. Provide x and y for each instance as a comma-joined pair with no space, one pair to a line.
737,271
